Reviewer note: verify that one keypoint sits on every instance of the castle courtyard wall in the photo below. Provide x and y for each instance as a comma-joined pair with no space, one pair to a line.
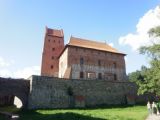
49,92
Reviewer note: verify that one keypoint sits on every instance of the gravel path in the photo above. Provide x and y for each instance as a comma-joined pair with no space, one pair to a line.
153,117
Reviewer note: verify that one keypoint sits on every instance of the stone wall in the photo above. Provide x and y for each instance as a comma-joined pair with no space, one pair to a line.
48,92
14,87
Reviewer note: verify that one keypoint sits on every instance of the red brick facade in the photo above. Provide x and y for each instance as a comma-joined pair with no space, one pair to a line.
53,46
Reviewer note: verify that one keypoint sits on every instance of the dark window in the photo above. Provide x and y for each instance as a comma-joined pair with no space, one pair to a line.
99,75
114,65
52,57
48,40
81,61
99,62
51,66
115,77
81,75
53,49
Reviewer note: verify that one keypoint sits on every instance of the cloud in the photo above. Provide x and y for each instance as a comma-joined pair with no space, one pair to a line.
27,72
21,73
111,44
5,73
140,37
4,63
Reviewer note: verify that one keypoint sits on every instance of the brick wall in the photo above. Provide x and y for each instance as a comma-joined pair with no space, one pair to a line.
94,61
53,46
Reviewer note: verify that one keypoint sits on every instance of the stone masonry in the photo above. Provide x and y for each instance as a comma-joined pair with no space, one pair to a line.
49,92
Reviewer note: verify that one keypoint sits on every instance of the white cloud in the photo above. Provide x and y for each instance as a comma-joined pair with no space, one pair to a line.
21,73
4,63
141,37
5,73
111,44
27,72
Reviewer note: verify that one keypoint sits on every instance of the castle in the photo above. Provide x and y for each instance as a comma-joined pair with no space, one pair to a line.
82,73
80,58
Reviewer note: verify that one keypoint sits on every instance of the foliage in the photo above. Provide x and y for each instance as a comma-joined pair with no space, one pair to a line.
125,113
137,75
151,83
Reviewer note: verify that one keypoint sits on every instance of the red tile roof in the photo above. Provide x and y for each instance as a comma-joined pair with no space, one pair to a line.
79,42
54,32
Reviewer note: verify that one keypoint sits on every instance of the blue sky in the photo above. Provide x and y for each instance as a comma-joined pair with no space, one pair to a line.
118,22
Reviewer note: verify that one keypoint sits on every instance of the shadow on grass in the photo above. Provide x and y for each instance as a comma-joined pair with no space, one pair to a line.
33,115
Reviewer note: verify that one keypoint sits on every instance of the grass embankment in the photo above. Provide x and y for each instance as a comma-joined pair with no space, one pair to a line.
119,113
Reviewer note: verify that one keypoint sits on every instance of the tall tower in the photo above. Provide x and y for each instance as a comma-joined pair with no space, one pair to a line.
53,46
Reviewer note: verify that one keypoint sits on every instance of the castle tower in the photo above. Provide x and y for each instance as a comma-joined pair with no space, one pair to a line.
53,46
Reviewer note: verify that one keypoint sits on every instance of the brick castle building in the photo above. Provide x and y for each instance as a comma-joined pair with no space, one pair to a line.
80,58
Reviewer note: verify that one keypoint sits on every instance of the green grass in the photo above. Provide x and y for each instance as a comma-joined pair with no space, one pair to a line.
10,109
116,113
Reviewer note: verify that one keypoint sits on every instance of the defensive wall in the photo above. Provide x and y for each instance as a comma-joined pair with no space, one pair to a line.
14,87
49,92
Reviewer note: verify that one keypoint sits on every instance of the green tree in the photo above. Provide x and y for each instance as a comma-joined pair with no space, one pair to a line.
151,83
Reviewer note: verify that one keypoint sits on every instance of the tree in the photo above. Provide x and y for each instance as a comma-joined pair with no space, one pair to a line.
151,83
138,75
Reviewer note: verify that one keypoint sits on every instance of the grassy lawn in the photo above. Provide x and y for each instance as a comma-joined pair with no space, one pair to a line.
119,113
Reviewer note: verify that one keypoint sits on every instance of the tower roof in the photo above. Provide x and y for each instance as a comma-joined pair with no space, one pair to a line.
54,32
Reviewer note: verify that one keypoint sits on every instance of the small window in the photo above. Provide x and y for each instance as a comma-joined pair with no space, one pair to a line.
52,57
81,75
53,49
81,61
48,40
51,66
114,65
99,62
115,77
100,76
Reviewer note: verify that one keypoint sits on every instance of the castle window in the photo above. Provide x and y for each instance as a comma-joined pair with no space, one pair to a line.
53,49
99,75
114,65
99,62
81,61
115,77
91,75
51,66
81,75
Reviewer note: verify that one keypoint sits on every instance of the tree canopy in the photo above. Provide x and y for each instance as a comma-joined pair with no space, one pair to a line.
148,79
